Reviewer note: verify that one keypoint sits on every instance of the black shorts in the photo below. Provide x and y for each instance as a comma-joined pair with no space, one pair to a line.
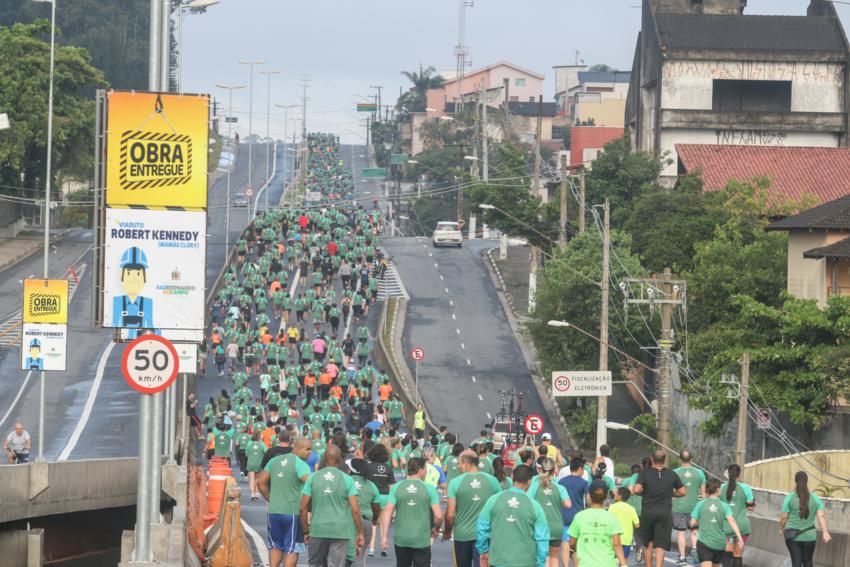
554,544
705,553
655,529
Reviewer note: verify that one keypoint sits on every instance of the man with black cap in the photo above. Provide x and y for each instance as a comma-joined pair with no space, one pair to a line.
595,532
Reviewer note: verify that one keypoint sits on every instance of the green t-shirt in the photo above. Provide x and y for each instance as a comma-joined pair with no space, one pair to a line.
222,442
550,499
255,451
367,494
512,528
791,506
742,496
636,500
413,499
329,488
451,467
395,408
712,514
693,478
593,529
287,477
471,491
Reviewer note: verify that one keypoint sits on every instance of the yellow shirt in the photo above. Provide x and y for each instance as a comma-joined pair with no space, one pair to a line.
626,515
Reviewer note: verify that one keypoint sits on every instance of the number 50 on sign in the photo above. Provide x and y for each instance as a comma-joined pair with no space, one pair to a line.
150,364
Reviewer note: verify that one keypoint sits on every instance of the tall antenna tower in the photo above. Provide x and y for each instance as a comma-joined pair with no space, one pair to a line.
461,50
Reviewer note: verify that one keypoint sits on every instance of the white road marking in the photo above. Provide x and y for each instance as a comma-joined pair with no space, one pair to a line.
468,362
454,317
259,543
452,303
84,417
447,289
473,378
457,331
480,397
18,397
441,277
436,265
430,255
462,345
489,416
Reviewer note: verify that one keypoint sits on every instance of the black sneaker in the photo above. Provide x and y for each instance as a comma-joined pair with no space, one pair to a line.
384,554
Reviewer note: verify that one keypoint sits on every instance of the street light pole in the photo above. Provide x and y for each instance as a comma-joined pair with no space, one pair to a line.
190,5
285,108
46,215
268,75
251,118
230,90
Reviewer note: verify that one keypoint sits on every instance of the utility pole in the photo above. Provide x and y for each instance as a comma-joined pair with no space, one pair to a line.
562,239
165,70
743,400
666,292
269,145
377,98
602,403
581,204
507,85
485,144
459,199
535,191
251,119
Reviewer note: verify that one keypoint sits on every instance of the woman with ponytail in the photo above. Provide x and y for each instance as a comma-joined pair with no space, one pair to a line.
797,522
553,498
739,497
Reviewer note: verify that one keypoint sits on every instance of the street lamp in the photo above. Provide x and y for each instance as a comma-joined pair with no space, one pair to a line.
470,158
285,108
46,215
251,117
4,121
268,75
230,90
191,5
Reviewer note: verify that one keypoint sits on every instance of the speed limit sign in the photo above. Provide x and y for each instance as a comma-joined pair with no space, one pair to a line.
150,364
417,354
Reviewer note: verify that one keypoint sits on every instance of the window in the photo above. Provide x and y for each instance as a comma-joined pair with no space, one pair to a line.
754,96
519,82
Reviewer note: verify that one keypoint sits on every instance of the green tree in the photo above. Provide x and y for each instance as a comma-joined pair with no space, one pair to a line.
414,100
567,291
799,359
24,82
621,176
667,224
600,67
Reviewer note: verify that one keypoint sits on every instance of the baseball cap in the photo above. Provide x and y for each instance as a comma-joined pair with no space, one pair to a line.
546,436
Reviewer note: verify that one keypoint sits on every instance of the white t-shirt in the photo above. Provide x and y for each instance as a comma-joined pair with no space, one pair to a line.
18,443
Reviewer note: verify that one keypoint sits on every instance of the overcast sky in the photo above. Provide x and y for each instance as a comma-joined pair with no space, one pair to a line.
346,46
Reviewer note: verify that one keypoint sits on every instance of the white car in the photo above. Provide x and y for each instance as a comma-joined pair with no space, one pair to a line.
447,233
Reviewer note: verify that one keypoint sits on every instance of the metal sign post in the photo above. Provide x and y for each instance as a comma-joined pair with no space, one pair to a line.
418,355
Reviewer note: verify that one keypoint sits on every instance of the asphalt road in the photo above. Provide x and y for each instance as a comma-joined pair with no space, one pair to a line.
455,315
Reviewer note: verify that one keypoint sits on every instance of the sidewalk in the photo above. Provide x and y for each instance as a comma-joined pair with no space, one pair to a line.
513,273
28,242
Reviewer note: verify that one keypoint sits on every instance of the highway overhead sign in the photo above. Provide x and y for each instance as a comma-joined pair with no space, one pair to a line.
156,149
533,424
578,383
417,354
367,107
150,364
398,159
372,172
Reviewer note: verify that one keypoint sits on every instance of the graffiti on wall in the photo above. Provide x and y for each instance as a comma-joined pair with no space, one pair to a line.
750,137
756,71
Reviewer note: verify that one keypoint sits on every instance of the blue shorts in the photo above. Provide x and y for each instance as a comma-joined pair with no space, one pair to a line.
566,535
285,533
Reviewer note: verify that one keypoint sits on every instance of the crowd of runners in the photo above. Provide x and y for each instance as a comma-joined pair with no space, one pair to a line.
318,432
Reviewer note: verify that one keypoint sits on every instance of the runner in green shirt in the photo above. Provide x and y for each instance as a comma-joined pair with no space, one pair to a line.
331,497
595,532
512,529
710,515
369,499
552,497
280,484
418,516
801,518
740,498
467,495
254,452
694,481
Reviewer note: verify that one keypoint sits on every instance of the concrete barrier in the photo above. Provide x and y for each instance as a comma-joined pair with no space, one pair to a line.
38,489
22,548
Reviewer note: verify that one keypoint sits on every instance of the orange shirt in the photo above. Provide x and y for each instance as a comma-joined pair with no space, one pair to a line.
309,380
215,338
267,435
336,391
266,338
384,391
352,391
274,287
324,378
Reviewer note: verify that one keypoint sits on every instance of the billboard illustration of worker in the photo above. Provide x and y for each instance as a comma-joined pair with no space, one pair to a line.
43,346
153,269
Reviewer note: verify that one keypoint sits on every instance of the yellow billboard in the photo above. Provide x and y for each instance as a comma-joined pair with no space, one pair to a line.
45,301
157,149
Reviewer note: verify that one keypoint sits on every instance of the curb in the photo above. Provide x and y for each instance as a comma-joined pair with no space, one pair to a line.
59,234
549,402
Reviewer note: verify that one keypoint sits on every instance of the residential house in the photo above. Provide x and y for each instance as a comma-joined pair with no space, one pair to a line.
587,142
818,250
598,97
705,73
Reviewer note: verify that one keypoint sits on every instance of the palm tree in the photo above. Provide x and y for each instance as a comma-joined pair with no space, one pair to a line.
414,100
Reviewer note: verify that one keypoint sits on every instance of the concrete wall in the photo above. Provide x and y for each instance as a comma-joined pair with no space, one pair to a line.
727,134
815,87
566,77
807,277
71,486
778,475
610,113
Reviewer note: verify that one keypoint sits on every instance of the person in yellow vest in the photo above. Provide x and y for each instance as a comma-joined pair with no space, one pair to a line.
419,423
551,451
